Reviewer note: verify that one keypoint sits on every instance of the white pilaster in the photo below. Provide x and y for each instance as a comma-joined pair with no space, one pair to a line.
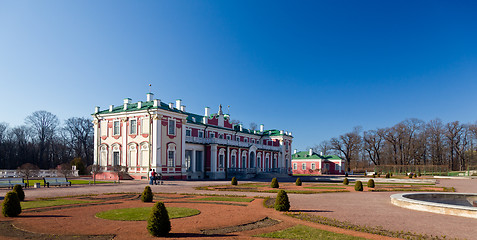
125,142
183,145
96,136
192,164
213,158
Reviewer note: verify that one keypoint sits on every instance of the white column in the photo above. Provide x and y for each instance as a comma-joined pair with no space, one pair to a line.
213,158
125,142
157,136
96,136
183,146
192,161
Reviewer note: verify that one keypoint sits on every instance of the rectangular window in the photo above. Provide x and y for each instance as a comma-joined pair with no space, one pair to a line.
172,127
228,137
303,166
133,127
221,161
294,166
116,128
237,139
170,159
115,158
337,167
313,166
201,134
245,139
211,135
253,140
221,136
188,158
188,132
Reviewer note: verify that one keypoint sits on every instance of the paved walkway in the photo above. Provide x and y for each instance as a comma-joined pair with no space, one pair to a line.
363,208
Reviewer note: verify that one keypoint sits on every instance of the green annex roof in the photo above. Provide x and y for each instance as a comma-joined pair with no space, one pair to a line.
191,117
305,155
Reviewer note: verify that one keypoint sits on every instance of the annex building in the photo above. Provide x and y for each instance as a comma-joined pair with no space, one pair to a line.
144,135
309,162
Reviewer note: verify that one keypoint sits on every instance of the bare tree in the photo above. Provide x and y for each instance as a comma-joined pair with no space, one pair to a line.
324,148
373,142
43,125
27,171
121,171
80,137
348,145
94,169
65,169
253,126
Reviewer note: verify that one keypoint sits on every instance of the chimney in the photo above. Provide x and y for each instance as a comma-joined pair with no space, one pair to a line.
157,102
261,127
96,109
289,133
310,152
111,108
126,102
294,151
183,108
240,126
204,120
207,111
281,132
150,96
139,104
321,153
171,105
178,104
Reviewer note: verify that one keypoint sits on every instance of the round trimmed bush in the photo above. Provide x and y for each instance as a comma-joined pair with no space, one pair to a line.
274,183
11,205
147,194
379,174
158,224
345,181
234,181
298,182
19,190
388,175
346,174
371,183
358,186
282,203
410,175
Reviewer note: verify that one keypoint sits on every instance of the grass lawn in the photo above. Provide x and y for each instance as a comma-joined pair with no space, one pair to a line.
225,199
324,187
308,233
73,182
50,203
142,214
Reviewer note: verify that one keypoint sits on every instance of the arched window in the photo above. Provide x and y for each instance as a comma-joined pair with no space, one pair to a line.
116,157
259,160
233,159
103,158
144,154
252,160
171,154
244,159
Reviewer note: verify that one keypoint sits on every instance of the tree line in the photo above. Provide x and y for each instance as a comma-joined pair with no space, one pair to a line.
44,142
410,143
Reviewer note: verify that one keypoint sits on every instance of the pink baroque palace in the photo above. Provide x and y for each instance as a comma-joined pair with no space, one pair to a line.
133,138
309,162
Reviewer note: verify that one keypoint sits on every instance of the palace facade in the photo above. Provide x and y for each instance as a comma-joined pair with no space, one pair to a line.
135,137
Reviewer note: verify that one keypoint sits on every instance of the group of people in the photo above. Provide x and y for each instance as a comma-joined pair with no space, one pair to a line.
154,177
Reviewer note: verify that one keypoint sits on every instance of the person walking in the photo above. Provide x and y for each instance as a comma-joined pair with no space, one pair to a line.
153,177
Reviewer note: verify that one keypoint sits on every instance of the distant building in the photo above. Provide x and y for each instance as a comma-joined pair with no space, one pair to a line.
181,145
308,162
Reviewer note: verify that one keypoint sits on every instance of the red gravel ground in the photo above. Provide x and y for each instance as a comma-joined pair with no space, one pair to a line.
363,208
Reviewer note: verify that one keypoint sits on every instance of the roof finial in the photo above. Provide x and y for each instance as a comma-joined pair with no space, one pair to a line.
149,87
220,110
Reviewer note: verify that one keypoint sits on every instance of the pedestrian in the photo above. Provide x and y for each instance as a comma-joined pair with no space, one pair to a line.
153,177
160,179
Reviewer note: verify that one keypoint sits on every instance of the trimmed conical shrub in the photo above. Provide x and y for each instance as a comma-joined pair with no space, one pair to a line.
346,174
371,183
19,190
274,183
282,203
298,182
388,175
158,224
147,194
345,181
11,205
234,181
358,186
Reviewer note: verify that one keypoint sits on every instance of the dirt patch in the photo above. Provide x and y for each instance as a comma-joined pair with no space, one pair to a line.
266,222
8,230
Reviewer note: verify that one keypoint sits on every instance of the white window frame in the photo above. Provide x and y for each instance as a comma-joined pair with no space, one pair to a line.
313,166
188,130
245,139
201,134
133,130
118,128
337,167
173,132
228,137
211,135
295,166
237,138
221,136
303,166
232,161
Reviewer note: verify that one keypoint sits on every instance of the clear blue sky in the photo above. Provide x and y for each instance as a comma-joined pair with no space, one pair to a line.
316,68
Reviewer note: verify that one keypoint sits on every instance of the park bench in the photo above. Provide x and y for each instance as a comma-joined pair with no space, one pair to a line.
56,182
11,182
